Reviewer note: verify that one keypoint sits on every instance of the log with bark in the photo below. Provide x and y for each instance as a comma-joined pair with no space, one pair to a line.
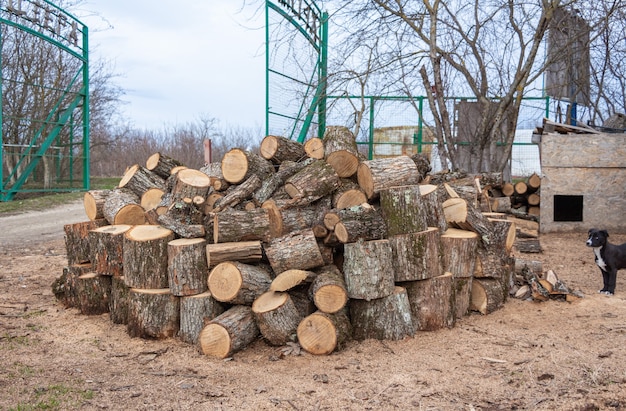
93,202
187,266
488,295
387,318
65,288
238,283
313,182
145,256
93,291
435,216
77,240
340,150
328,290
234,225
298,249
190,183
314,148
122,207
403,210
378,174
195,313
322,333
106,246
277,317
279,149
242,251
162,165
239,165
153,313
240,193
290,279
362,222
348,194
368,269
277,180
151,198
432,302
416,256
139,179
460,214
460,249
229,332
119,301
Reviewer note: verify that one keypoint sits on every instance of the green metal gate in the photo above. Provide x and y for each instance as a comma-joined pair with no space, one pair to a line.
44,93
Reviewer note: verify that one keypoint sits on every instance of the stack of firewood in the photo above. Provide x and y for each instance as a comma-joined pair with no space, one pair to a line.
302,242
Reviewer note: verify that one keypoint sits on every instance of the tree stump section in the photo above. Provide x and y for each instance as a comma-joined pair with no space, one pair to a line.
242,251
277,180
360,223
403,210
416,256
432,302
190,183
145,256
460,214
119,301
314,148
232,225
77,240
162,165
460,248
349,194
379,174
277,317
313,182
106,246
328,290
239,165
153,313
322,333
122,207
297,250
387,318
93,292
462,296
368,269
229,332
187,266
435,216
340,150
279,149
65,288
195,313
151,198
237,283
487,295
93,202
139,179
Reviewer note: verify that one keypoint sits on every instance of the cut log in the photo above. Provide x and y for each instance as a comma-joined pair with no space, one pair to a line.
462,296
93,202
278,149
145,256
435,216
153,313
314,148
459,256
503,234
229,332
196,311
77,240
122,207
533,199
162,165
242,251
289,279
501,204
535,267
240,193
190,183
151,198
422,161
65,288
378,174
239,165
277,317
387,318
322,333
233,225
187,266
487,295
276,180
508,189
139,179
416,256
432,302
237,283
360,223
119,301
340,150
106,245
93,292
180,227
328,290
460,214
533,183
349,194
403,210
313,182
297,250
520,188
368,269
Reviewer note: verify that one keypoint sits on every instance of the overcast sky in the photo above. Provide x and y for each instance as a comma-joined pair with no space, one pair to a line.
180,59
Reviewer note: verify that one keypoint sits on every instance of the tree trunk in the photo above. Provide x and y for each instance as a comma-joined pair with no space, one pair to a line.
379,174
368,269
242,251
77,240
237,283
279,149
122,207
93,292
322,333
139,179
239,165
312,182
403,210
153,313
93,202
145,256
119,301
328,290
340,150
187,266
298,250
162,165
106,246
232,225
432,302
277,317
387,318
195,312
229,332
416,256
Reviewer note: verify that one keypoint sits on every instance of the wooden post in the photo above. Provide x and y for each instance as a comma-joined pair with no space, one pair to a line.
187,266
145,256
153,313
229,332
368,269
195,312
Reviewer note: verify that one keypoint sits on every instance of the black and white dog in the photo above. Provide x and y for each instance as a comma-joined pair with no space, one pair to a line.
609,257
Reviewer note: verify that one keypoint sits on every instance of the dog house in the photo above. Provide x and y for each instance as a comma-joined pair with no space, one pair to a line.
583,181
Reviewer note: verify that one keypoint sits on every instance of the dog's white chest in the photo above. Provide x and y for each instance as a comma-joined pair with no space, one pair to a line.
599,261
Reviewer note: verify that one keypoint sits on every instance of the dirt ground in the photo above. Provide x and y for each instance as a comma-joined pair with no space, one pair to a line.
527,356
